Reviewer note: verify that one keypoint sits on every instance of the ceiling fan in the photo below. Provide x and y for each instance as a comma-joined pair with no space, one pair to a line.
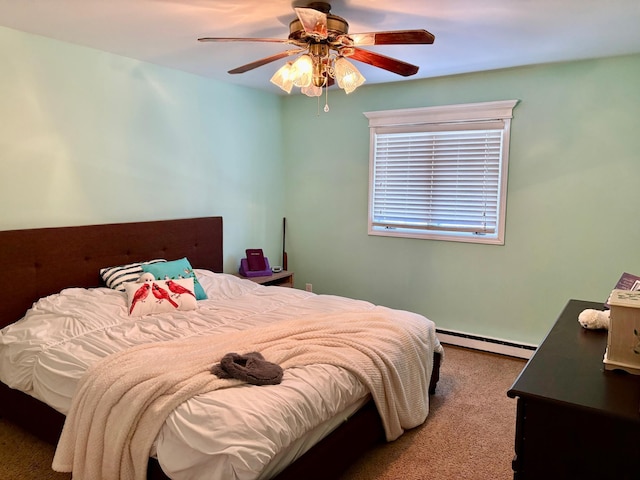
324,43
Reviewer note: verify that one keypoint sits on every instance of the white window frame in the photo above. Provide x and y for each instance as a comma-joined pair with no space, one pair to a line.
490,116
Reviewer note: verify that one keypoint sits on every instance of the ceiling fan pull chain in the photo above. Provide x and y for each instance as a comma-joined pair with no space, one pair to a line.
326,101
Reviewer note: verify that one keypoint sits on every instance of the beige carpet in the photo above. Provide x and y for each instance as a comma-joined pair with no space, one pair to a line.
469,433
470,430
23,456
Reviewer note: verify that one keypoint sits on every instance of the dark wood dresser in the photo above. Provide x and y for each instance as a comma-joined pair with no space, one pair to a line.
574,419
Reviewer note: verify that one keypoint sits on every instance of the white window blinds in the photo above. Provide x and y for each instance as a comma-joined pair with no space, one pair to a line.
443,179
437,180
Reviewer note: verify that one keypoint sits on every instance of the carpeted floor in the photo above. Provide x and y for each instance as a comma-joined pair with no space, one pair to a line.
470,430
24,457
469,433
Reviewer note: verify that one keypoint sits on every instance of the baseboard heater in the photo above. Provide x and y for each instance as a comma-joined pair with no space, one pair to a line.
486,344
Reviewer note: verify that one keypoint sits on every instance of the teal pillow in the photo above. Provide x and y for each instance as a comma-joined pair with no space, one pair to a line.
175,270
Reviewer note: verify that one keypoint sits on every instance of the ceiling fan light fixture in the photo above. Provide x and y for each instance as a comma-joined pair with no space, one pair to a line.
302,71
322,42
347,75
283,78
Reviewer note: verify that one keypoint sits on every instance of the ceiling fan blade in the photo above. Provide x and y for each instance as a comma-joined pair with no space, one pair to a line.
394,37
381,61
232,39
313,21
264,61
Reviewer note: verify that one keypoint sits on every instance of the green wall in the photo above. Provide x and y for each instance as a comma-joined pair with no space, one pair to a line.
90,137
571,225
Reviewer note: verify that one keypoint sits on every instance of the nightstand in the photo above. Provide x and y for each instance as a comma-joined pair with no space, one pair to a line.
280,279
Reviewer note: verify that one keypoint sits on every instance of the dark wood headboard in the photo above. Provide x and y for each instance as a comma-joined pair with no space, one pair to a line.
38,262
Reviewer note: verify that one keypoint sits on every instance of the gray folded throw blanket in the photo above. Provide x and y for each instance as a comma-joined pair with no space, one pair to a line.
251,367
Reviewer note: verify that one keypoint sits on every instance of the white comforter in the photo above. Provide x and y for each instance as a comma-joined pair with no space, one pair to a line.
225,434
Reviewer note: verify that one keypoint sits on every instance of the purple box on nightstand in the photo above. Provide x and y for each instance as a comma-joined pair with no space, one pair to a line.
245,272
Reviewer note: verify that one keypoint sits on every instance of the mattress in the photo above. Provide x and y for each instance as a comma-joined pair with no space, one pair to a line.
231,433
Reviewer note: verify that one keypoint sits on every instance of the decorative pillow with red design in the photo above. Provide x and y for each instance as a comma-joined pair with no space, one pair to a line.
158,296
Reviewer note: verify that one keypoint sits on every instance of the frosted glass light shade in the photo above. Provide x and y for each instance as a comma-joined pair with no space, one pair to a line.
283,78
302,70
311,91
347,75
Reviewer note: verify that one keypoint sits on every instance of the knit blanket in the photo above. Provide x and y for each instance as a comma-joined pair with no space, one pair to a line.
122,401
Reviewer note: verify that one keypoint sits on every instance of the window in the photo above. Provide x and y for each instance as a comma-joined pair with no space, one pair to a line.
440,172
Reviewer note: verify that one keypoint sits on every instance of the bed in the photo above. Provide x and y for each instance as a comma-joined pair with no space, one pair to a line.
40,263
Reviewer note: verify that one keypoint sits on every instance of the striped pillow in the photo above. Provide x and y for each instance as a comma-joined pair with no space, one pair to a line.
116,277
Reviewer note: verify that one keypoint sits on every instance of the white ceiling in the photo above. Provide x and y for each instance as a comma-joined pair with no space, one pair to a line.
471,35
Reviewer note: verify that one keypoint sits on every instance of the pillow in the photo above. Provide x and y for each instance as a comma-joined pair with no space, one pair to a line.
116,277
157,296
174,270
